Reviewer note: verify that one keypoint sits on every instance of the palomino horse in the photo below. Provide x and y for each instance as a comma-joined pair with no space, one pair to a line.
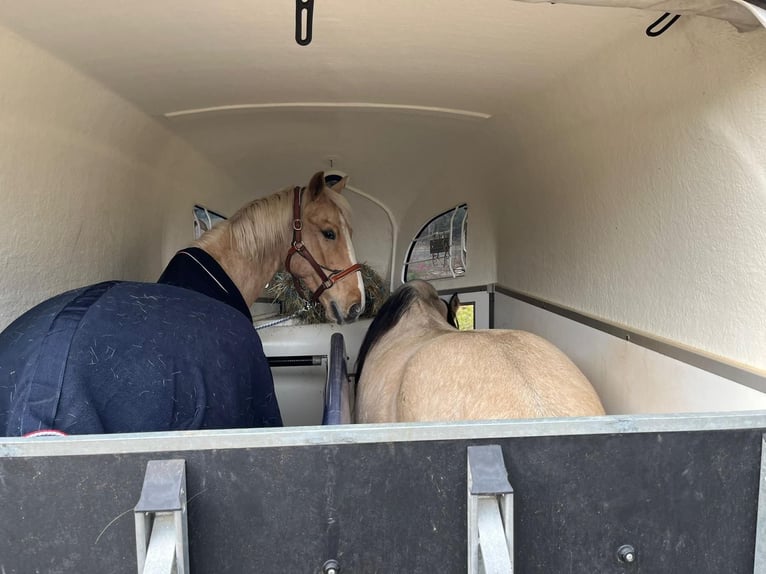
181,353
414,366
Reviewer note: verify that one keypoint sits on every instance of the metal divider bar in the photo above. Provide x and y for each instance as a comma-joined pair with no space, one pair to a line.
337,402
296,361
759,566
162,540
490,512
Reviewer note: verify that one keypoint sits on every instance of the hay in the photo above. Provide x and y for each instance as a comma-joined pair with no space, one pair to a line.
282,290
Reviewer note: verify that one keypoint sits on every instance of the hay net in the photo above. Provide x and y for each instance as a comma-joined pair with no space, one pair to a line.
281,290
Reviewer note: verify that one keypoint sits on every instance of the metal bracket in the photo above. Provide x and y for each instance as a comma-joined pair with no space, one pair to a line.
304,21
490,512
653,31
162,539
759,565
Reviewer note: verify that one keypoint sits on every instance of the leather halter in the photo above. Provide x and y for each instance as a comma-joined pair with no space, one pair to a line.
298,247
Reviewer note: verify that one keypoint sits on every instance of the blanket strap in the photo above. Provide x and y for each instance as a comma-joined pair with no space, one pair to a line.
45,389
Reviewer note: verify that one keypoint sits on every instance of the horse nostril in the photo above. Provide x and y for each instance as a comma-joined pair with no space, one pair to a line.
354,311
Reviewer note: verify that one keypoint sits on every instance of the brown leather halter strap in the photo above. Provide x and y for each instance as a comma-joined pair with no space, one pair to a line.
299,248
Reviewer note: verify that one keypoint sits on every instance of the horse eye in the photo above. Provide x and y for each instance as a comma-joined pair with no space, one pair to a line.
329,234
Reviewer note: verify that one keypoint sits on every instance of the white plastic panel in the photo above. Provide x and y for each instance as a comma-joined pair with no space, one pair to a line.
300,393
289,340
300,390
629,378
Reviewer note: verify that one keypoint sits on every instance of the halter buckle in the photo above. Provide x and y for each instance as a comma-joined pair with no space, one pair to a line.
298,245
297,225
328,283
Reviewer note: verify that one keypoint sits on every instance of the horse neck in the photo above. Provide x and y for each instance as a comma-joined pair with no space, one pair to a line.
251,246
419,325
425,319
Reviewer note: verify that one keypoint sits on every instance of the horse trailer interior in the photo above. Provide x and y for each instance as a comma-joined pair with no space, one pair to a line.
605,161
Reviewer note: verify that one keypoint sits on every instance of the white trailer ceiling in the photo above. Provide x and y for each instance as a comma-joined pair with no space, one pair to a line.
179,55
175,54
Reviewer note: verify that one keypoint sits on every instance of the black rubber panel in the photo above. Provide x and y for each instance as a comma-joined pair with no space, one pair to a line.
686,502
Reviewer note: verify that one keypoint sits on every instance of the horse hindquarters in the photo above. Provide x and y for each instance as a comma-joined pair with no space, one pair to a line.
493,374
555,385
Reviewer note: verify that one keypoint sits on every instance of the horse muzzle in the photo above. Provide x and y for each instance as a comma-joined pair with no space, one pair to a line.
351,315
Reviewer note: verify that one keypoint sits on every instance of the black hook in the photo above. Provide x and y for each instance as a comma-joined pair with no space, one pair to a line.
652,33
303,36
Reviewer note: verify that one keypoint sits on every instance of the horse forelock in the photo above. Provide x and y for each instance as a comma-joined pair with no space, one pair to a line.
344,207
388,317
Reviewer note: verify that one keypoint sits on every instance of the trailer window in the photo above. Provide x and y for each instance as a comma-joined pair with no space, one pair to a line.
204,219
439,249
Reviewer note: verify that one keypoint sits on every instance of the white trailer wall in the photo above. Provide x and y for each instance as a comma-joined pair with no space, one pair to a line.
617,175
640,189
91,188
631,378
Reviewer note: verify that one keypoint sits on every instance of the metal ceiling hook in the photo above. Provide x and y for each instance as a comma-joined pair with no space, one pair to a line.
304,16
652,30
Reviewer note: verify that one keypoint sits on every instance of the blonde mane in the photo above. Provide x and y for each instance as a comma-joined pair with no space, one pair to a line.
263,226
343,206
257,229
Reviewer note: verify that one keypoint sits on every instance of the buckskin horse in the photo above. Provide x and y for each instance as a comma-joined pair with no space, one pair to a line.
414,365
181,353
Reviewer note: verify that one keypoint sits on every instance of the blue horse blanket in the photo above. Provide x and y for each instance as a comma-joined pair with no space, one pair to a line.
136,357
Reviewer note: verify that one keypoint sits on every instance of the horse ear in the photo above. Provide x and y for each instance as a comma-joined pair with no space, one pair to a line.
454,303
316,185
452,307
341,185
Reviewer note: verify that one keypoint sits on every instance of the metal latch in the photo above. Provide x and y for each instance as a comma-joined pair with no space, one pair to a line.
490,512
162,539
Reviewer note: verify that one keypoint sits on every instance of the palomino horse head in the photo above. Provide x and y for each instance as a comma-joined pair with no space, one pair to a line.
325,260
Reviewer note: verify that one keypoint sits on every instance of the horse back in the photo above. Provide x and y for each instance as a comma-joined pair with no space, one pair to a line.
493,374
133,357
